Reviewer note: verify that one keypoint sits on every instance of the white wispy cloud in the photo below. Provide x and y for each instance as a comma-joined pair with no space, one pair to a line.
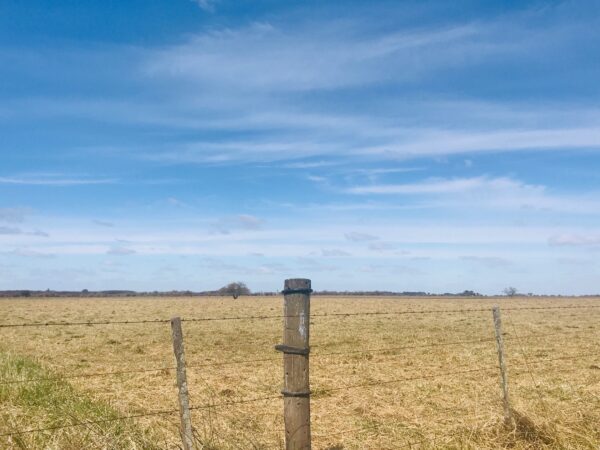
10,230
485,193
249,222
492,262
357,236
53,180
331,54
13,215
177,203
385,269
206,5
284,133
104,223
246,78
382,246
120,251
575,239
316,178
434,142
254,64
580,262
431,186
385,171
226,225
334,252
31,253
308,164
13,231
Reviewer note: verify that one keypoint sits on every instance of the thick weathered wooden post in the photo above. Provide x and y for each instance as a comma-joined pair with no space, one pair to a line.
187,436
295,348
503,375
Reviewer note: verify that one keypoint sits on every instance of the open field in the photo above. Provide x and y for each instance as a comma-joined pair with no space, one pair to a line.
552,356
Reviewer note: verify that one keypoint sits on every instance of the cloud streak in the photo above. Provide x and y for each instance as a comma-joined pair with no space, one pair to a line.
484,192
13,215
577,240
206,5
120,251
433,186
11,231
356,236
53,180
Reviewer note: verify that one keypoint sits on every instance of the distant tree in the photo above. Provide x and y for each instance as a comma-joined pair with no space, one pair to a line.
235,289
510,291
469,293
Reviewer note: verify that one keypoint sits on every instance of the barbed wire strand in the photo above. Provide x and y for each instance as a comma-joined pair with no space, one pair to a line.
121,372
437,344
410,444
89,323
425,377
251,361
409,441
362,429
401,380
212,411
265,317
248,361
135,416
558,358
528,368
406,347
533,308
267,398
90,422
433,367
84,375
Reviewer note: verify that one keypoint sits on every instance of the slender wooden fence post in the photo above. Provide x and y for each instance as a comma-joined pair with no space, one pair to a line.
295,348
503,375
184,401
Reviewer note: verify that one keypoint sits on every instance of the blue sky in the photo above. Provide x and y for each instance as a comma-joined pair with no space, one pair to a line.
435,146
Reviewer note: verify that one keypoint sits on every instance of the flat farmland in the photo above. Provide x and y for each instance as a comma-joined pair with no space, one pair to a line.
420,373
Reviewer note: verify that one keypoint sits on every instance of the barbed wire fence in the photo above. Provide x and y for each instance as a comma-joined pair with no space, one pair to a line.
296,350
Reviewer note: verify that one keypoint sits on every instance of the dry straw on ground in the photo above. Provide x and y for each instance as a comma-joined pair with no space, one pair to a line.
555,392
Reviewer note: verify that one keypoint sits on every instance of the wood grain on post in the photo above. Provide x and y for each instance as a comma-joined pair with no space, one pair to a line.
501,361
295,347
187,436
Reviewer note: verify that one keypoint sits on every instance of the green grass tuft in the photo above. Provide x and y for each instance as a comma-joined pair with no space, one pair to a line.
48,403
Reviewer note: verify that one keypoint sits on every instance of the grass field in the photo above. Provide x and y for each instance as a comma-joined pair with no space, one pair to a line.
552,355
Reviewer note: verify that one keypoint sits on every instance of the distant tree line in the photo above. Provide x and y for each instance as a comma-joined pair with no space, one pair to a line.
400,294
232,289
238,289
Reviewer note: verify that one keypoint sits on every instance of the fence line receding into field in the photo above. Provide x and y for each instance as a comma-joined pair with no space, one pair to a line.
295,348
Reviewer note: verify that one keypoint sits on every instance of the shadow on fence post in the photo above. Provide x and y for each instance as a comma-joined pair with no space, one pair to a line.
184,401
295,349
503,375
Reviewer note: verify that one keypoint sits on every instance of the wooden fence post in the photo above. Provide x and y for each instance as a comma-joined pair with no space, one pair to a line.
295,348
503,375
184,402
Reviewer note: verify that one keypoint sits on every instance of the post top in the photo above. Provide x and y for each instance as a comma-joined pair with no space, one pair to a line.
296,284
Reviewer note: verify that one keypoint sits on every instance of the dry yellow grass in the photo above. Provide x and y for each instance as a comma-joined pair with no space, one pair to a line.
557,402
